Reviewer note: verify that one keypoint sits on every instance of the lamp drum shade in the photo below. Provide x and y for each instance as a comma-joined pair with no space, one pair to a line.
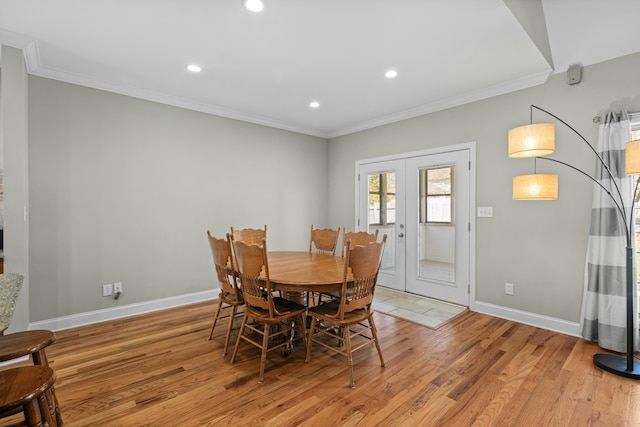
535,187
632,158
532,140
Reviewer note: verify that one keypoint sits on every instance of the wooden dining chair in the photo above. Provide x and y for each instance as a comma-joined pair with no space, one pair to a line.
358,238
349,313
324,240
230,296
321,241
250,236
266,310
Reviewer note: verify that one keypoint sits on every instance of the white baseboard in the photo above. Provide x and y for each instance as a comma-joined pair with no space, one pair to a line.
528,318
82,319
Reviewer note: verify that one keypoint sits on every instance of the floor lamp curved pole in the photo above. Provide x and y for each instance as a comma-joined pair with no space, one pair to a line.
538,140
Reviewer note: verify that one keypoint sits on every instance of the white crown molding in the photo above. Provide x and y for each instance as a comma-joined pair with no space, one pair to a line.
32,56
443,104
466,98
19,41
34,67
30,49
162,98
97,316
28,45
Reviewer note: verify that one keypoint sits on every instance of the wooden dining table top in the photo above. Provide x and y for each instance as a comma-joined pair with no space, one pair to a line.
309,271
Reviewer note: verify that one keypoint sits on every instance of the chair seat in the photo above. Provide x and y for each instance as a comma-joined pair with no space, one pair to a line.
284,307
337,294
229,298
328,311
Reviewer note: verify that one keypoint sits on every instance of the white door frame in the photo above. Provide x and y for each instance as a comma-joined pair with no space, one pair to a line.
471,146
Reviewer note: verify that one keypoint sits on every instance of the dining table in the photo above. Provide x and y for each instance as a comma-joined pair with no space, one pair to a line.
303,271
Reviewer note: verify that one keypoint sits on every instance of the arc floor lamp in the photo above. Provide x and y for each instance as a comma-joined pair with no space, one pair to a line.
538,140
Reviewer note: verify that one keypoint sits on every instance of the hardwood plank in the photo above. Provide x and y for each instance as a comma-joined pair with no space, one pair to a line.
160,369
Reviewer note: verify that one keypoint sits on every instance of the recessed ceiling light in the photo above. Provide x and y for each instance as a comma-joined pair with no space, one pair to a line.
194,68
391,74
314,104
253,5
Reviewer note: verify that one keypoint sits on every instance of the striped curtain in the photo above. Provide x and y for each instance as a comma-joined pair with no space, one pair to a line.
603,317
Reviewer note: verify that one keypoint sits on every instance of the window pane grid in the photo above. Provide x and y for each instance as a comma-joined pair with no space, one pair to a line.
382,187
436,195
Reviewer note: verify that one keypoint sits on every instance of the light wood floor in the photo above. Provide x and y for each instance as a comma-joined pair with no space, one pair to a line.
160,370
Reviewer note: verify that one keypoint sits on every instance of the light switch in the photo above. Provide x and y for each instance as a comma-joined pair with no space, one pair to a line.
485,212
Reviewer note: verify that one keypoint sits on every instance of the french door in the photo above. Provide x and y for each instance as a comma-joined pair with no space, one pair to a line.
381,206
422,202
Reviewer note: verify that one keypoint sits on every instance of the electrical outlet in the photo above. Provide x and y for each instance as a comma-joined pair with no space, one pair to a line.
107,290
508,288
117,287
485,212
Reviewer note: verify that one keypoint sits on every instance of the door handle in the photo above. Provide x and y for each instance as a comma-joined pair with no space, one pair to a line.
401,235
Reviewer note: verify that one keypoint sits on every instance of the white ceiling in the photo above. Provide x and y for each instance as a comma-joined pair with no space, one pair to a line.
266,67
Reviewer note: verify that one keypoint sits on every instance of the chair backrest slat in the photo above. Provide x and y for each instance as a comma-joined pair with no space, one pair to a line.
250,236
221,252
253,272
324,240
362,264
358,238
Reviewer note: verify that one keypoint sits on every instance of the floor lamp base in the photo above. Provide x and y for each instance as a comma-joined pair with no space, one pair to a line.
616,365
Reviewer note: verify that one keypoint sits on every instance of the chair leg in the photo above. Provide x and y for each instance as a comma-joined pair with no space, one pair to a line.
45,410
231,318
40,358
312,329
215,319
235,349
263,356
374,334
303,328
347,340
32,413
49,405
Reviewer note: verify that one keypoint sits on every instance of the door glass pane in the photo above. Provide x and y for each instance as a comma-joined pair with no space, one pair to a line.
382,212
436,228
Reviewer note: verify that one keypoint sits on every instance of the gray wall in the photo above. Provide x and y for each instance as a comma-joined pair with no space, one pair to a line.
123,189
538,246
